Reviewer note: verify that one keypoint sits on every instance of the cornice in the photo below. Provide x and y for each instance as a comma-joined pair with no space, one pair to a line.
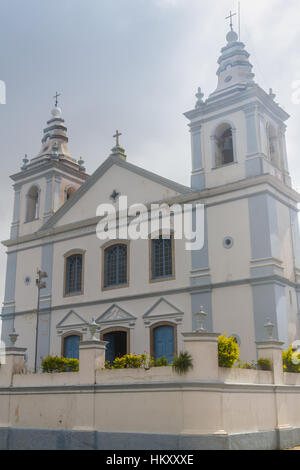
200,196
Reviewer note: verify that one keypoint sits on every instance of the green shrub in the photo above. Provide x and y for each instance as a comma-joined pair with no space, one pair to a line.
59,364
287,359
131,361
228,351
264,364
247,365
182,363
161,362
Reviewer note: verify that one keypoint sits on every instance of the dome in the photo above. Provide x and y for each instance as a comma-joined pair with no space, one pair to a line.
56,112
232,36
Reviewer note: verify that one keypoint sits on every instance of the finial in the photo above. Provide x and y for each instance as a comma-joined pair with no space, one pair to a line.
116,136
271,94
199,95
25,162
269,327
81,163
55,97
118,150
231,16
55,154
200,319
232,35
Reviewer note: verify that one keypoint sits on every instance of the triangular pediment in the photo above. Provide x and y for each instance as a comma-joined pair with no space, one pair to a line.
115,314
71,319
115,174
162,308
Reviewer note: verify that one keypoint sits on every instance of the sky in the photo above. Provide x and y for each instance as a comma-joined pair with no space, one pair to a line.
132,65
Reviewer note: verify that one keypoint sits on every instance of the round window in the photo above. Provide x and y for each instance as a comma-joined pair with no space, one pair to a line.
228,242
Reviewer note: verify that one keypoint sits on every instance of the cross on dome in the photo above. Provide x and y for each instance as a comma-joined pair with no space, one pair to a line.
55,97
231,16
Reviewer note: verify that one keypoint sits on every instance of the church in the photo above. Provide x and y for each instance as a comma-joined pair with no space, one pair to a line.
143,294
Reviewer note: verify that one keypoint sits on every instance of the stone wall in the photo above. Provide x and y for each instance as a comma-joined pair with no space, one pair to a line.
207,408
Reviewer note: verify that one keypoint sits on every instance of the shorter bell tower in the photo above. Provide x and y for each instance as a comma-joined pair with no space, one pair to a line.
46,181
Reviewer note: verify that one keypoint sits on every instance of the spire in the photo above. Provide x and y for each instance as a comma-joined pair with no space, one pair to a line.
235,70
117,149
55,140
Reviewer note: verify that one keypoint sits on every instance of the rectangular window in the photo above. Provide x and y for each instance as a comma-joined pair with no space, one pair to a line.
74,274
162,258
115,265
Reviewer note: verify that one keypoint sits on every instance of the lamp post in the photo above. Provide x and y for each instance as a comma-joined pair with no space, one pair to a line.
40,285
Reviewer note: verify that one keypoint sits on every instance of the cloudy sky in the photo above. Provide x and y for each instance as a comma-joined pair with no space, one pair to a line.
132,65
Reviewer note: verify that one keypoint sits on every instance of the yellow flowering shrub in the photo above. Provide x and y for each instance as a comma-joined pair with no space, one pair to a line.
228,351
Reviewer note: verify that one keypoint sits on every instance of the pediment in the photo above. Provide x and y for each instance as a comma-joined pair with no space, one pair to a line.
72,319
139,185
115,313
162,309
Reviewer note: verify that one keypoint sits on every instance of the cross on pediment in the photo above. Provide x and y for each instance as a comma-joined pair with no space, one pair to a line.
116,136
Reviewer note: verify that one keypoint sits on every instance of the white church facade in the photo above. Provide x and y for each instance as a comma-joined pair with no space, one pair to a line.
144,293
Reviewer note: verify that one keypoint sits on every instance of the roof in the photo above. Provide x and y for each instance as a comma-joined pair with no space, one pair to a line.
108,163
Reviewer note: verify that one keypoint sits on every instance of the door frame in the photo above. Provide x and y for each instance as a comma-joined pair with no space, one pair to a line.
115,329
156,325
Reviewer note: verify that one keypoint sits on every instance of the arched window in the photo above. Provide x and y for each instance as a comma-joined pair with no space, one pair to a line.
74,274
274,149
71,346
115,265
69,192
32,211
162,263
223,145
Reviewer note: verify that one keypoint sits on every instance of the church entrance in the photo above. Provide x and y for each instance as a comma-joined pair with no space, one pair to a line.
71,346
117,345
164,342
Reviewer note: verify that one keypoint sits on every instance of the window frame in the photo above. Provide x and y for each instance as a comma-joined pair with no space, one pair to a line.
213,139
66,257
153,279
37,217
116,329
65,336
104,248
157,325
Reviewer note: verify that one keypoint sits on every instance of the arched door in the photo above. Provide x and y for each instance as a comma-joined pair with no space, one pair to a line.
164,342
117,345
71,346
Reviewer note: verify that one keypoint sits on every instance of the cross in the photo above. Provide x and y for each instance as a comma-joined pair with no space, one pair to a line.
56,96
116,136
231,16
114,195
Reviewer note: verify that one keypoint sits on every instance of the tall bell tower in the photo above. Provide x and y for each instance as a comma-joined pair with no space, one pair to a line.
239,131
248,272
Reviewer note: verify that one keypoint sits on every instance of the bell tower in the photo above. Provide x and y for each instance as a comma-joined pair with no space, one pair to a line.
248,272
46,181
239,131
